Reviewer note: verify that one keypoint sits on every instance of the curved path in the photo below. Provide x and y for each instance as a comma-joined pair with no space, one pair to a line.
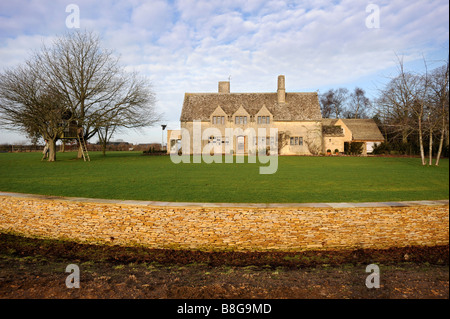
234,205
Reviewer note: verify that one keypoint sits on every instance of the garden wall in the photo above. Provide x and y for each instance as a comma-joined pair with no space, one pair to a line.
225,228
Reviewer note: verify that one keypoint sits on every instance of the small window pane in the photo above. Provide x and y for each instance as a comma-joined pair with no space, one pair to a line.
272,141
245,119
292,141
300,141
268,120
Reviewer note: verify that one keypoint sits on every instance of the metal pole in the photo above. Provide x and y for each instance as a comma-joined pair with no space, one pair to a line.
163,126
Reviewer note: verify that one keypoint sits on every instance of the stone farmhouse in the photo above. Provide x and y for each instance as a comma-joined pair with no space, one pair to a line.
301,130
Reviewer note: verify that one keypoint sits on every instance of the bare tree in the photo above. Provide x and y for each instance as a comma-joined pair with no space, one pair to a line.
394,106
358,104
326,104
28,103
333,102
97,90
439,87
418,90
404,105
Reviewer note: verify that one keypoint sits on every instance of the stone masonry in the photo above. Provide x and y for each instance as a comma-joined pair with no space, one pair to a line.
226,228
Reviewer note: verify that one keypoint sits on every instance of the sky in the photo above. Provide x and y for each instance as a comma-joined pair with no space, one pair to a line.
190,45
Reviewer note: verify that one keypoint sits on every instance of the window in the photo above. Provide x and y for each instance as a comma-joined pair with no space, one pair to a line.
263,119
272,142
240,120
296,140
218,120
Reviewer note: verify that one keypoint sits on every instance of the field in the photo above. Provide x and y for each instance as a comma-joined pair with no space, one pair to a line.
35,268
130,175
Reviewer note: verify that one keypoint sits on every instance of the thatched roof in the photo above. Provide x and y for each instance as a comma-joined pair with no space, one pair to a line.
298,106
363,129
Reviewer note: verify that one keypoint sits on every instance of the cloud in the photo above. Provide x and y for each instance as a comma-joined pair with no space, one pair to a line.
155,16
190,45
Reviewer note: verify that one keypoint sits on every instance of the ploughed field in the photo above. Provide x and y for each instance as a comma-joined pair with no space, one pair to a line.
36,268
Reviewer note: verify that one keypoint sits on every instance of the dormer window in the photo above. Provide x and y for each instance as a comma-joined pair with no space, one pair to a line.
263,119
240,120
218,120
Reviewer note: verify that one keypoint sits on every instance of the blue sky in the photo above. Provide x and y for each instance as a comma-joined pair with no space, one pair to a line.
188,45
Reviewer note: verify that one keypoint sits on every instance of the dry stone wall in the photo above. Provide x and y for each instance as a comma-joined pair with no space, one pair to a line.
243,229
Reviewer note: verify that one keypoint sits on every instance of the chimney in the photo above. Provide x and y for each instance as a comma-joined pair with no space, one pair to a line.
224,87
281,91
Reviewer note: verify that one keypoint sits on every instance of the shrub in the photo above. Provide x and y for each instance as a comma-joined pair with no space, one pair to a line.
382,148
353,148
356,148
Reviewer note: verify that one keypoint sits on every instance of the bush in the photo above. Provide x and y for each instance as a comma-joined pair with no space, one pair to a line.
353,148
382,148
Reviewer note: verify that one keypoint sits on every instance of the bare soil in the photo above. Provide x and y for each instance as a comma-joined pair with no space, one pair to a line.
35,269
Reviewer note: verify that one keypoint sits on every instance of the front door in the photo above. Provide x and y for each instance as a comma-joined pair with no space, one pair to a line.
240,145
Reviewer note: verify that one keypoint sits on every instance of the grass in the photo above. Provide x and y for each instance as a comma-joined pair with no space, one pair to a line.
129,175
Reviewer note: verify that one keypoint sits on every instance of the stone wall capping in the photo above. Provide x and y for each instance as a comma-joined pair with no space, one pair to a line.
229,205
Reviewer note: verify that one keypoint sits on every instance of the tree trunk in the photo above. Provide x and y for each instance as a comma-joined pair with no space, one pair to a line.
430,148
80,151
422,154
405,136
447,138
52,150
441,141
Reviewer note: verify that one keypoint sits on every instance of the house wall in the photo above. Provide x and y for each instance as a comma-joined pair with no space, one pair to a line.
173,135
310,131
347,133
332,143
226,228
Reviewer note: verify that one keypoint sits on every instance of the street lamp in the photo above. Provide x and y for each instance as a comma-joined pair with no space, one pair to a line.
163,126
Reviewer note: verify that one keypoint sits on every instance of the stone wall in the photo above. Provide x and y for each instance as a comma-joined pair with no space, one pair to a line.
226,228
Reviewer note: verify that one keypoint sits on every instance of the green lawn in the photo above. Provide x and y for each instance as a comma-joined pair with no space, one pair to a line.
129,175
